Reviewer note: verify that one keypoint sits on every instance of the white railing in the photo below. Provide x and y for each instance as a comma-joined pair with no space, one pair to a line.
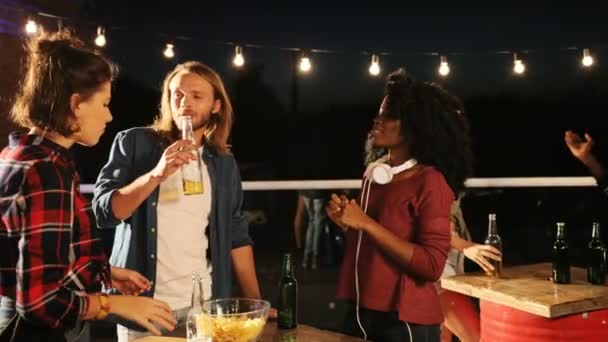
513,182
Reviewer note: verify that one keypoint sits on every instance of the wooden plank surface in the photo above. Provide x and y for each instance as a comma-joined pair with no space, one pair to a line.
160,339
529,288
272,334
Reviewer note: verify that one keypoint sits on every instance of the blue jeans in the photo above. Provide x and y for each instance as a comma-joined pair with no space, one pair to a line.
315,207
32,332
7,310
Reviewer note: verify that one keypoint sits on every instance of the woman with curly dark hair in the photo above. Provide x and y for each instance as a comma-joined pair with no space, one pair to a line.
398,233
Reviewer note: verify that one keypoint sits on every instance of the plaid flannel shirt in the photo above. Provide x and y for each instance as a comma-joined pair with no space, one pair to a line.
50,255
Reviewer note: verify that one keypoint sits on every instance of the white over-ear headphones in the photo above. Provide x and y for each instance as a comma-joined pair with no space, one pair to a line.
378,172
382,173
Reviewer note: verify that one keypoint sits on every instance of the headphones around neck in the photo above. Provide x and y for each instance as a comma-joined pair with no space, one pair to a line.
381,173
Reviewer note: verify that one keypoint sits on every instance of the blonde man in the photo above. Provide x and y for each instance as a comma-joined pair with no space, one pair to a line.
160,232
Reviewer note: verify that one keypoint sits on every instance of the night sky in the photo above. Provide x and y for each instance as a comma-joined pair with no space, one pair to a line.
517,122
471,36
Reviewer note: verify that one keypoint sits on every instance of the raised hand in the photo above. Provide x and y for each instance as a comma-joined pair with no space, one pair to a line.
579,147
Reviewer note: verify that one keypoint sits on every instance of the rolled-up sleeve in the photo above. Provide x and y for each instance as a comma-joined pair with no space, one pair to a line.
113,176
433,238
238,225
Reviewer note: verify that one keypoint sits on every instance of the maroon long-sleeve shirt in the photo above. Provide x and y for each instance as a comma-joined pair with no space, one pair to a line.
416,209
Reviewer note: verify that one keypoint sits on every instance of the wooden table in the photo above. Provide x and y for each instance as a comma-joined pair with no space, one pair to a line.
525,298
272,334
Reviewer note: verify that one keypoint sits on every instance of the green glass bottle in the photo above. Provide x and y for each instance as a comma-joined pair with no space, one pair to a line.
561,261
288,296
596,252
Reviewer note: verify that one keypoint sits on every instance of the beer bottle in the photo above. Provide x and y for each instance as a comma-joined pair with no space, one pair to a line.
561,262
194,329
494,240
192,176
596,263
288,296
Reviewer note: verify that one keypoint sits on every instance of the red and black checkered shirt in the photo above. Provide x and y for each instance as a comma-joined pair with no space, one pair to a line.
50,255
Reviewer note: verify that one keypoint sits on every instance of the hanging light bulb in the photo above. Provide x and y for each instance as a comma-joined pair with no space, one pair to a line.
31,27
238,60
518,66
100,40
587,58
169,53
444,67
305,65
374,67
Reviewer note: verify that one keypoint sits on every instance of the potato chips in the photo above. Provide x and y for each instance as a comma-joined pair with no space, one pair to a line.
230,328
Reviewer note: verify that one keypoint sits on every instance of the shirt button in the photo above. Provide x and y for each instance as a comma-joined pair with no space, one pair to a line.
151,256
154,204
152,229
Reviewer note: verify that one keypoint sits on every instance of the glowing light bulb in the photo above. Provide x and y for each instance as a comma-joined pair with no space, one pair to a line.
31,27
169,53
238,60
305,65
100,40
374,67
587,58
444,67
518,66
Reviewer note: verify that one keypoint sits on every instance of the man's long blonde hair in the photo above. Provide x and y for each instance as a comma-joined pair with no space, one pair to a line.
217,130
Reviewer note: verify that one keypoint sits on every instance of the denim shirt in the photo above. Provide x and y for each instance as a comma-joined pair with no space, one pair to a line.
137,151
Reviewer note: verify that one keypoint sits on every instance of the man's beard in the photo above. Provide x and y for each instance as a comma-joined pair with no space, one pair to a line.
199,124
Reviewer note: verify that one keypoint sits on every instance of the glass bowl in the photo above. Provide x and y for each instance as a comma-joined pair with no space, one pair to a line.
233,319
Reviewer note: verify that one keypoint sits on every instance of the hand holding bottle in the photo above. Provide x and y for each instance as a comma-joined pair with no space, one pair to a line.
192,176
177,154
480,255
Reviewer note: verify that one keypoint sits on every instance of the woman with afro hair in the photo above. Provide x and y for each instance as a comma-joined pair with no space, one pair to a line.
398,230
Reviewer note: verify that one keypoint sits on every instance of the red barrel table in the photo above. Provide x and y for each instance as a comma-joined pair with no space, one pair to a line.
525,306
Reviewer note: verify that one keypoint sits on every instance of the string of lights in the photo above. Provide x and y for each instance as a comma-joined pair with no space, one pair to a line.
305,64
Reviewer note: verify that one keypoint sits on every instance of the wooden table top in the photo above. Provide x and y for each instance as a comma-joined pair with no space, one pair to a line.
529,288
272,334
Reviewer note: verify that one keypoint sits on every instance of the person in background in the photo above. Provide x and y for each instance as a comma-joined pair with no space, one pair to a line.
51,258
312,202
161,232
461,316
398,233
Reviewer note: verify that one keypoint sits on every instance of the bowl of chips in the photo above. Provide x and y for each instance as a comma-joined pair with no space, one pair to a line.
233,319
